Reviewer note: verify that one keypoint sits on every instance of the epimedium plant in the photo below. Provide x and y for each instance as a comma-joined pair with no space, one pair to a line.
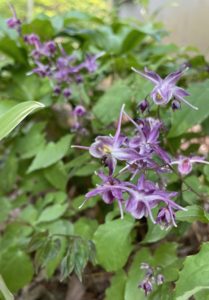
144,167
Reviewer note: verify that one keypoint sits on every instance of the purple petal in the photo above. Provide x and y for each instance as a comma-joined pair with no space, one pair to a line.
172,78
150,75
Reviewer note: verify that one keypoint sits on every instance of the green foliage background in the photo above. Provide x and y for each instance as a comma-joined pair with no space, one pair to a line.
43,181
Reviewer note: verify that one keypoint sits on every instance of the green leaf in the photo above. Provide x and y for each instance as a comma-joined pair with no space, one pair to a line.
188,117
56,175
194,277
50,154
113,244
155,233
10,119
108,107
16,268
193,213
85,227
31,143
4,290
117,288
52,213
8,173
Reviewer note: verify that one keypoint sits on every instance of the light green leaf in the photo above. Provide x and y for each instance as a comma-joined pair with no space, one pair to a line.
194,277
188,117
117,289
56,175
4,290
85,227
155,233
52,213
108,107
52,153
113,244
16,268
193,213
10,119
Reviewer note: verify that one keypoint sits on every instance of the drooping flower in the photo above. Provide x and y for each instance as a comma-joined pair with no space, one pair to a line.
185,163
166,89
107,190
166,217
152,277
146,285
144,196
143,105
14,22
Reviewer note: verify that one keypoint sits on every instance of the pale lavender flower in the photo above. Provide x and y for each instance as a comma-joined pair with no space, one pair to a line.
166,217
41,70
32,39
90,62
144,196
107,192
110,149
160,279
146,285
185,163
147,139
151,278
166,89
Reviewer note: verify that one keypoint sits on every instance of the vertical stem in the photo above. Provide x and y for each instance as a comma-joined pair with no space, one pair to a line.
30,7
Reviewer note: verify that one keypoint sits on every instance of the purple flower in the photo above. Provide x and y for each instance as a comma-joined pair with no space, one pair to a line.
143,105
160,279
67,92
14,22
90,62
165,89
57,90
146,141
144,196
110,149
32,39
175,104
107,192
166,218
146,285
48,49
185,163
79,110
41,70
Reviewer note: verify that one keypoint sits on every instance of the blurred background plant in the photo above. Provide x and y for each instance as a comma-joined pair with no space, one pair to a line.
44,236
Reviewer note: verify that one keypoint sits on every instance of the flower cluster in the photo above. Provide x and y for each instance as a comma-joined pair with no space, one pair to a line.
152,277
140,153
52,61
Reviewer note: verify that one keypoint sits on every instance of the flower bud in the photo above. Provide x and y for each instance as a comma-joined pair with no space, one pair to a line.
146,285
67,93
79,110
175,105
160,279
143,105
